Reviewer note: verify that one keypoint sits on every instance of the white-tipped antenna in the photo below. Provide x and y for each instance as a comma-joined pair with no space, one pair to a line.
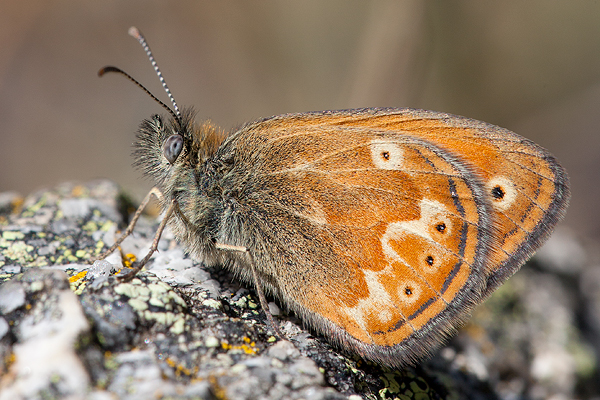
133,31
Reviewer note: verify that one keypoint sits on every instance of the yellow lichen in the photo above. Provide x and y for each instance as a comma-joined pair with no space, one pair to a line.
129,259
77,277
248,347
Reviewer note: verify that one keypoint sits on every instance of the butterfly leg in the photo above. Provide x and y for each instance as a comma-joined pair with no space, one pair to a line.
154,246
153,192
261,295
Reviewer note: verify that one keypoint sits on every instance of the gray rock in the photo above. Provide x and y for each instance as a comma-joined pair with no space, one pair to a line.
12,296
3,327
11,269
47,333
78,208
101,268
64,225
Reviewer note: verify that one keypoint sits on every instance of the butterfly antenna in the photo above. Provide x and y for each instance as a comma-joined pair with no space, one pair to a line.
110,68
133,31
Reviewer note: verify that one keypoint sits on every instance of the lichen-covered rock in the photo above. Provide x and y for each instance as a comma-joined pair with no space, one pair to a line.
47,324
181,330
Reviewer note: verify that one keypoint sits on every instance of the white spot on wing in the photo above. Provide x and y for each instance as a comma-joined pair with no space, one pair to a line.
386,155
376,304
432,212
415,289
507,187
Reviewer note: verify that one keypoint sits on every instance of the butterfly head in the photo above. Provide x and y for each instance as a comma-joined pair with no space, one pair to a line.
171,150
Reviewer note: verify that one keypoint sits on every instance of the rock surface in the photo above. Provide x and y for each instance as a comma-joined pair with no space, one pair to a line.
183,331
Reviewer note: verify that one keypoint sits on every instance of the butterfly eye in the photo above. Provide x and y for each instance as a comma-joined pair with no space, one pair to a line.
172,147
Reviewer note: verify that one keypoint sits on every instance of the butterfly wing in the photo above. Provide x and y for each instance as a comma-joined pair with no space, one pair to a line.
383,227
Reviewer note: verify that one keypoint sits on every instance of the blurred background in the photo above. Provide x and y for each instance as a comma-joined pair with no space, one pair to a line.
532,67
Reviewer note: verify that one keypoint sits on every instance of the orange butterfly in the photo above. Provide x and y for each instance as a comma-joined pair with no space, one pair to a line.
380,227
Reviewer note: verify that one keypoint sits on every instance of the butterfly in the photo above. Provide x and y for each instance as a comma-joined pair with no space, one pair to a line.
381,228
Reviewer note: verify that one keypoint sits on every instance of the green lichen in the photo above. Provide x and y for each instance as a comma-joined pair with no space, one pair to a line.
30,211
12,235
143,292
178,326
90,226
156,288
19,251
242,302
107,226
39,262
126,289
173,296
212,341
81,253
78,287
156,302
137,304
212,303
